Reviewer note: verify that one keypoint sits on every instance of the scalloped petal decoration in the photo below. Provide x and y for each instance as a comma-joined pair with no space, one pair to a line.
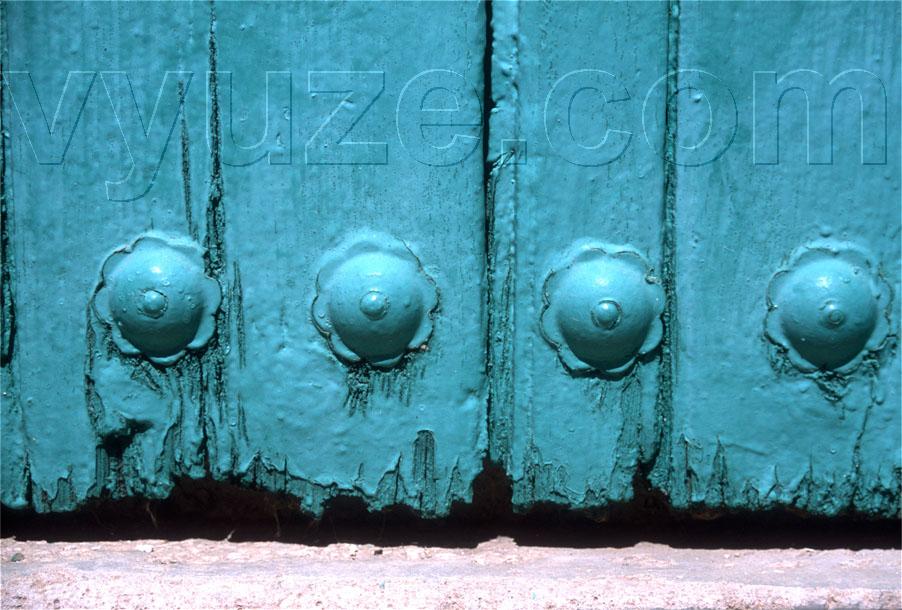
828,307
374,301
602,308
156,299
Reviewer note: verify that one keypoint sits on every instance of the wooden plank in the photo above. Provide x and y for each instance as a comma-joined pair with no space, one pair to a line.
310,425
94,423
749,428
264,400
570,163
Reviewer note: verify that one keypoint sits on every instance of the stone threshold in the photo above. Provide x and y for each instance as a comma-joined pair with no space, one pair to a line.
198,574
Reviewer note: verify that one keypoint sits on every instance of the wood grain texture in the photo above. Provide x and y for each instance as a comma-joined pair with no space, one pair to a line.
311,426
747,429
266,403
93,423
269,133
570,439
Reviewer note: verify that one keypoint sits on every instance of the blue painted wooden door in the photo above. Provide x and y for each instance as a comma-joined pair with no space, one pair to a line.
262,158
356,249
695,267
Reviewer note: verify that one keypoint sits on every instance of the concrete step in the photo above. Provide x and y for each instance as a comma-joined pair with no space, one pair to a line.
497,574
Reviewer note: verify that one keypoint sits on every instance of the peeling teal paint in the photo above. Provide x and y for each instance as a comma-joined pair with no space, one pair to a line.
749,429
264,401
279,133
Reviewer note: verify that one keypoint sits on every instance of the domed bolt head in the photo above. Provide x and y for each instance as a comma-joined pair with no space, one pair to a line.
606,314
374,305
153,304
374,302
832,315
602,308
156,299
828,307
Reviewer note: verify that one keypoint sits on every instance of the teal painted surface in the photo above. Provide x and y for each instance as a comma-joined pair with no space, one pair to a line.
720,416
574,439
88,420
264,401
155,300
415,434
747,427
645,275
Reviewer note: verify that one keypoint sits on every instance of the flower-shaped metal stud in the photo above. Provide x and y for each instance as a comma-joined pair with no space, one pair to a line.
156,299
374,301
602,308
828,307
